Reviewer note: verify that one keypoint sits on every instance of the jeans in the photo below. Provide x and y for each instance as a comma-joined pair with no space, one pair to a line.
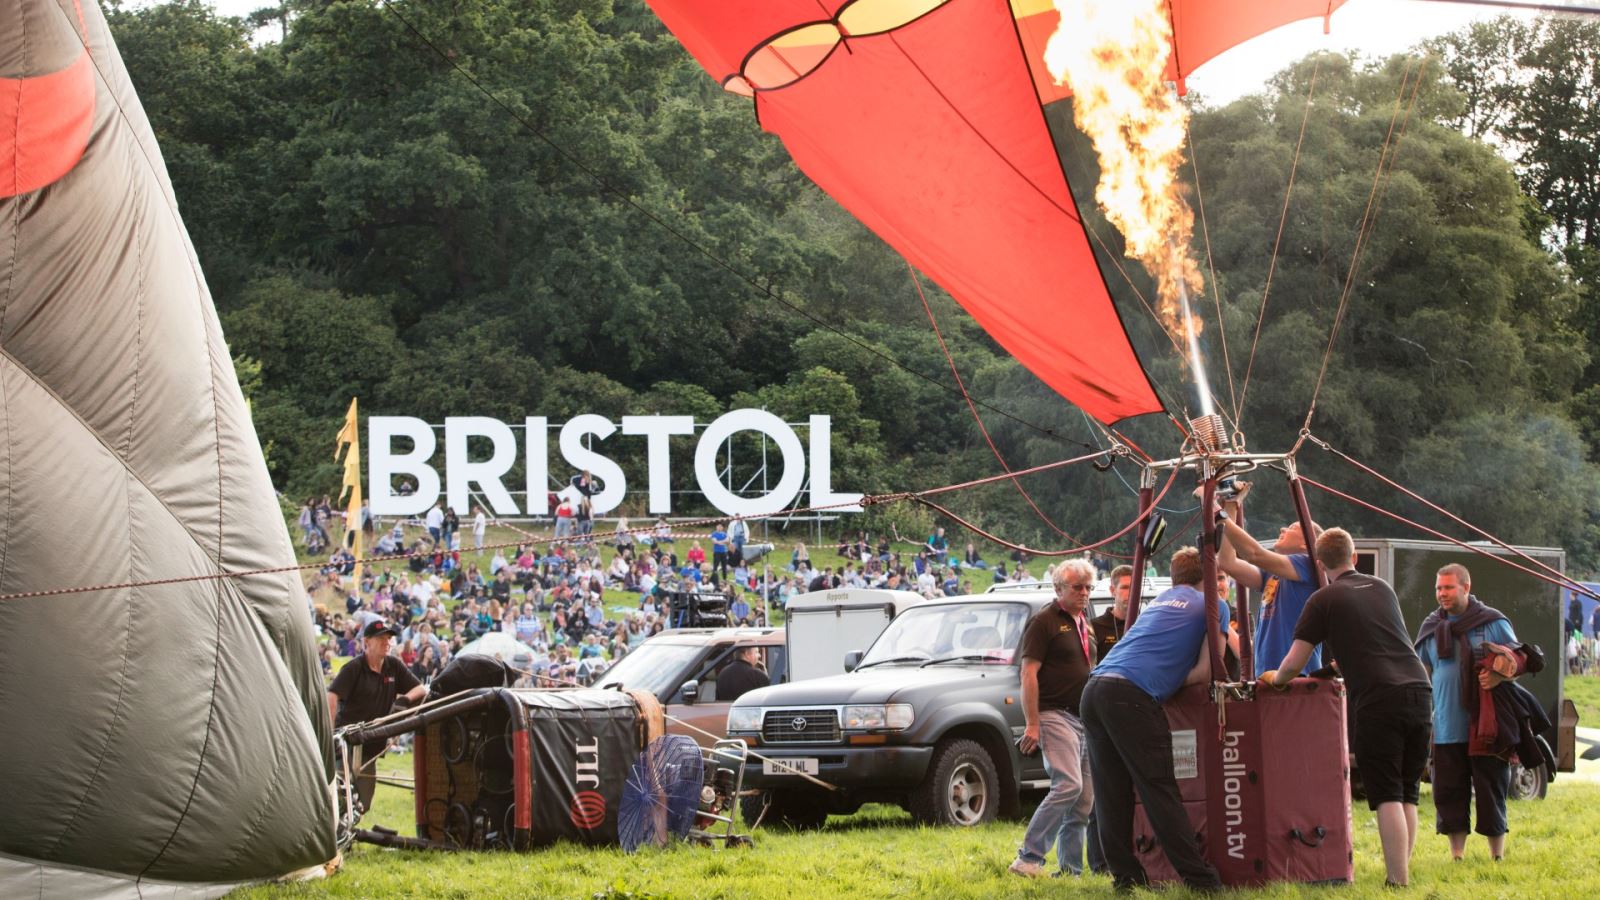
1130,748
1064,811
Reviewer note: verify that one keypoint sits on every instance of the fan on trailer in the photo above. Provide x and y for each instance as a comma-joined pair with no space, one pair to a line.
662,793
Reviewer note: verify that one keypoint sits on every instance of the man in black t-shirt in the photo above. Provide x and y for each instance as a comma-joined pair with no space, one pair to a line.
365,689
1110,625
1357,619
1057,654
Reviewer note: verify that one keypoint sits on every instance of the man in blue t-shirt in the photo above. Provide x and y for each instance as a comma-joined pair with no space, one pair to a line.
1130,746
1283,575
719,551
1453,635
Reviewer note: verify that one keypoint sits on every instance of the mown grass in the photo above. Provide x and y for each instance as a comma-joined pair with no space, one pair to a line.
1584,692
880,853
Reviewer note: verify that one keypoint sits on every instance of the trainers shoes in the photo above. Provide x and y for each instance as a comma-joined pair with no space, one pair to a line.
1020,866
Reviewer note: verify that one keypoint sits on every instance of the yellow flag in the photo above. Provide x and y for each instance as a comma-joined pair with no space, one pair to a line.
349,443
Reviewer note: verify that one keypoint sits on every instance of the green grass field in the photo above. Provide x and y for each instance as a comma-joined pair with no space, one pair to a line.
880,853
1584,692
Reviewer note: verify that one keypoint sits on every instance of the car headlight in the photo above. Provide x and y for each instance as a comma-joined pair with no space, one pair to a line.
744,718
892,716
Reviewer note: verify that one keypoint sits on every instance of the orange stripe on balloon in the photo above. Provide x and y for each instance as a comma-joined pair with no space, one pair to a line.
44,126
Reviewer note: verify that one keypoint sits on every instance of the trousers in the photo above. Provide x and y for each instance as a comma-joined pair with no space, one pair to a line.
1130,752
1063,813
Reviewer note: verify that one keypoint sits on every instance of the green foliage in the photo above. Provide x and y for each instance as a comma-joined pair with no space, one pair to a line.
540,217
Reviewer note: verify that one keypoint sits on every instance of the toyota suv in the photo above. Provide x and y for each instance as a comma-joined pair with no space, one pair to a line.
926,719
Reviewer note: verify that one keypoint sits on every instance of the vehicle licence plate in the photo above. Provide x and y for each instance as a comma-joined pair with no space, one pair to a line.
789,766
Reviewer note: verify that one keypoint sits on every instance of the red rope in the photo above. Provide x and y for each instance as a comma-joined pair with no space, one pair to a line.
1445,537
971,407
553,541
1045,553
1574,585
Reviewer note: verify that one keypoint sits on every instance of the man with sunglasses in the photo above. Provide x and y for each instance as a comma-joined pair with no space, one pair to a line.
1057,654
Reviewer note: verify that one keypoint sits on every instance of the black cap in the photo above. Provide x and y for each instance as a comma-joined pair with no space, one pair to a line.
374,629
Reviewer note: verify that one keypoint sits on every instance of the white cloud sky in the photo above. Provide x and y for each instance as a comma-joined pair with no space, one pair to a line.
1375,28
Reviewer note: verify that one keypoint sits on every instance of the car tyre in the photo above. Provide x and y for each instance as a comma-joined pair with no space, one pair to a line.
794,810
962,787
1528,784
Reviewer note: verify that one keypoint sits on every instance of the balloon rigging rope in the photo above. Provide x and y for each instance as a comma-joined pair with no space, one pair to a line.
922,499
866,500
1445,537
1216,290
1369,219
961,383
1283,218
1394,485
628,200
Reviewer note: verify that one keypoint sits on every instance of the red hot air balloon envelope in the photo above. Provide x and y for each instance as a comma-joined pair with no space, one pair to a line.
46,96
924,118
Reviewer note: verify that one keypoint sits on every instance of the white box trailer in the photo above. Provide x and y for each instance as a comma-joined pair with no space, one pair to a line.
820,627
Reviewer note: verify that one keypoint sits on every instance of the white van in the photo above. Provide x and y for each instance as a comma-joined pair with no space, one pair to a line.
820,627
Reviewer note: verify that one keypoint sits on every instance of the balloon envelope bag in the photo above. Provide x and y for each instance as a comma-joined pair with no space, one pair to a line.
513,768
525,768
1266,783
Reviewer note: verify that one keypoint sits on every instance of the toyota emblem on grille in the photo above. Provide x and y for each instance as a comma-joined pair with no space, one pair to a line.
799,723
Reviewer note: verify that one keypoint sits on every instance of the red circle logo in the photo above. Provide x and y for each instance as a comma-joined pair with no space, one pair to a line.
588,810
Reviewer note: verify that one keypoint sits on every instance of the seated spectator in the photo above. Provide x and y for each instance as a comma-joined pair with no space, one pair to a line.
663,534
972,560
799,558
527,624
739,610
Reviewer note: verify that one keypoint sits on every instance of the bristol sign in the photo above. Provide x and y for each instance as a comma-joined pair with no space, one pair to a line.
577,440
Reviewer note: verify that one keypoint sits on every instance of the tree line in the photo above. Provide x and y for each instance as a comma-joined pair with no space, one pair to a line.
547,208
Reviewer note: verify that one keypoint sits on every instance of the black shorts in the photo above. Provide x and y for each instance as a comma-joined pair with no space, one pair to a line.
1464,784
1391,744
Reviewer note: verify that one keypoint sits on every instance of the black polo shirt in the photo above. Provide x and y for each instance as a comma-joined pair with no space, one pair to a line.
365,695
1052,638
1108,629
1357,620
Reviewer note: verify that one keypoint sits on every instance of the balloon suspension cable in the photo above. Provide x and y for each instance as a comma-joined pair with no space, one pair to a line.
1197,363
1567,581
1445,537
1069,551
531,538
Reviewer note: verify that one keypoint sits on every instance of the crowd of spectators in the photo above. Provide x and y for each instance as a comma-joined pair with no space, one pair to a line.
551,598
581,605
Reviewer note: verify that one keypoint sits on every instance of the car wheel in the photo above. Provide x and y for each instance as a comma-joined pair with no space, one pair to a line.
795,810
962,787
1527,784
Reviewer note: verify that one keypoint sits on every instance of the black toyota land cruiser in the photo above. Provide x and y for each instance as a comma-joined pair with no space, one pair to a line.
926,719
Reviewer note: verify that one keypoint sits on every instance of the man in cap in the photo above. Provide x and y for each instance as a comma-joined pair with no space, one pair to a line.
366,688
